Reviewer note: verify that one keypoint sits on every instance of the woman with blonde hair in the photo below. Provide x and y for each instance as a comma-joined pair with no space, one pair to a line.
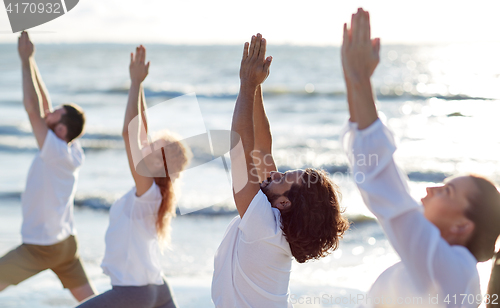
140,220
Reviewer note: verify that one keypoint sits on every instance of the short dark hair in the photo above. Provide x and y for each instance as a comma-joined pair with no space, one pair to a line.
313,224
74,119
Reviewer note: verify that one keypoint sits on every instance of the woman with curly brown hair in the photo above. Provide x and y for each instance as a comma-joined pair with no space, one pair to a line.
288,215
140,220
440,242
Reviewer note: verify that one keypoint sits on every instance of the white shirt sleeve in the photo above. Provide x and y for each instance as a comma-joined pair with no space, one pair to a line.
146,206
383,186
260,220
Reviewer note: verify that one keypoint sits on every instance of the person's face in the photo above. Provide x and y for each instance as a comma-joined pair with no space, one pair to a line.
53,121
445,207
277,184
53,118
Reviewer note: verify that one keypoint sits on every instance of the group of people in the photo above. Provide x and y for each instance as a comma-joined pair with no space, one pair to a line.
282,216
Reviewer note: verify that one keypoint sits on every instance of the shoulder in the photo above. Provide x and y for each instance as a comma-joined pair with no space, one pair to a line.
258,208
261,221
153,194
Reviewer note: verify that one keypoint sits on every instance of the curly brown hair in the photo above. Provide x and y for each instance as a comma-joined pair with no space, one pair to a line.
314,223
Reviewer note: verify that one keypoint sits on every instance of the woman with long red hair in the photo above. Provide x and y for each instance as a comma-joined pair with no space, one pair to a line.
140,220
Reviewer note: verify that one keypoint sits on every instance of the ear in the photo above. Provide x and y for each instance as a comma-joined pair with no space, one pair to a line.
61,131
463,228
283,203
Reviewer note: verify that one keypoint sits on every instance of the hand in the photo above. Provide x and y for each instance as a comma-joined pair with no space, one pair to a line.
138,69
360,53
254,66
25,47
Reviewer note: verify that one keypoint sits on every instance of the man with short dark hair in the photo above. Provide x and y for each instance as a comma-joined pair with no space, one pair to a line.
281,215
48,232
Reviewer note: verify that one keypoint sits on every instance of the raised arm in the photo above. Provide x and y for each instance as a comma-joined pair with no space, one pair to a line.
254,70
360,57
31,94
144,137
138,72
262,154
46,102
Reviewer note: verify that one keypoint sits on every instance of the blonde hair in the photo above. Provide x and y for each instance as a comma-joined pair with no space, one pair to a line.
179,156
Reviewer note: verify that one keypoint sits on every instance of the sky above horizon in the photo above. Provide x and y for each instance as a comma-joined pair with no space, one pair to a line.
313,22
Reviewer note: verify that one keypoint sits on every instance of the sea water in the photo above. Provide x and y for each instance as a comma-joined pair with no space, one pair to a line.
441,102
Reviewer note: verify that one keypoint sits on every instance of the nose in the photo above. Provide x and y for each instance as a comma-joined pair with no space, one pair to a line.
431,190
275,175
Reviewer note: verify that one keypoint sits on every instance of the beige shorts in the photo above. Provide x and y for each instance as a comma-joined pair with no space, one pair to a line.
28,260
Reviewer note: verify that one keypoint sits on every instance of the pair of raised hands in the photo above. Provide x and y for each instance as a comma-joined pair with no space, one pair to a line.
138,67
25,47
360,53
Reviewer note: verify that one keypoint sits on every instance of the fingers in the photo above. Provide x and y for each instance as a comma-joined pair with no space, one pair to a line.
142,54
257,47
365,27
143,60
262,51
357,27
147,67
367,18
345,37
252,46
360,26
258,40
354,27
376,46
267,64
245,51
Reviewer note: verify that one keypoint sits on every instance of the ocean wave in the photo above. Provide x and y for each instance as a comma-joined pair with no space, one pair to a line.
427,176
102,203
13,130
389,92
14,139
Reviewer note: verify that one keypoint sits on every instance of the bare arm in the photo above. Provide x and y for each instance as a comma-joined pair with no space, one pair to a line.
254,70
360,57
143,133
138,72
46,103
31,95
262,155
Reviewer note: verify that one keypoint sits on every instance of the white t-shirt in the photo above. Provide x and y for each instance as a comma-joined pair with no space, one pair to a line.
429,265
253,263
47,201
132,256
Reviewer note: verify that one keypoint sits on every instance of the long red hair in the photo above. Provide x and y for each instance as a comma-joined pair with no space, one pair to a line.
179,156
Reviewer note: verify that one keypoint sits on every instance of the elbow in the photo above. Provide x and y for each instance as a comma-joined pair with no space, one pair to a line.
32,111
125,133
